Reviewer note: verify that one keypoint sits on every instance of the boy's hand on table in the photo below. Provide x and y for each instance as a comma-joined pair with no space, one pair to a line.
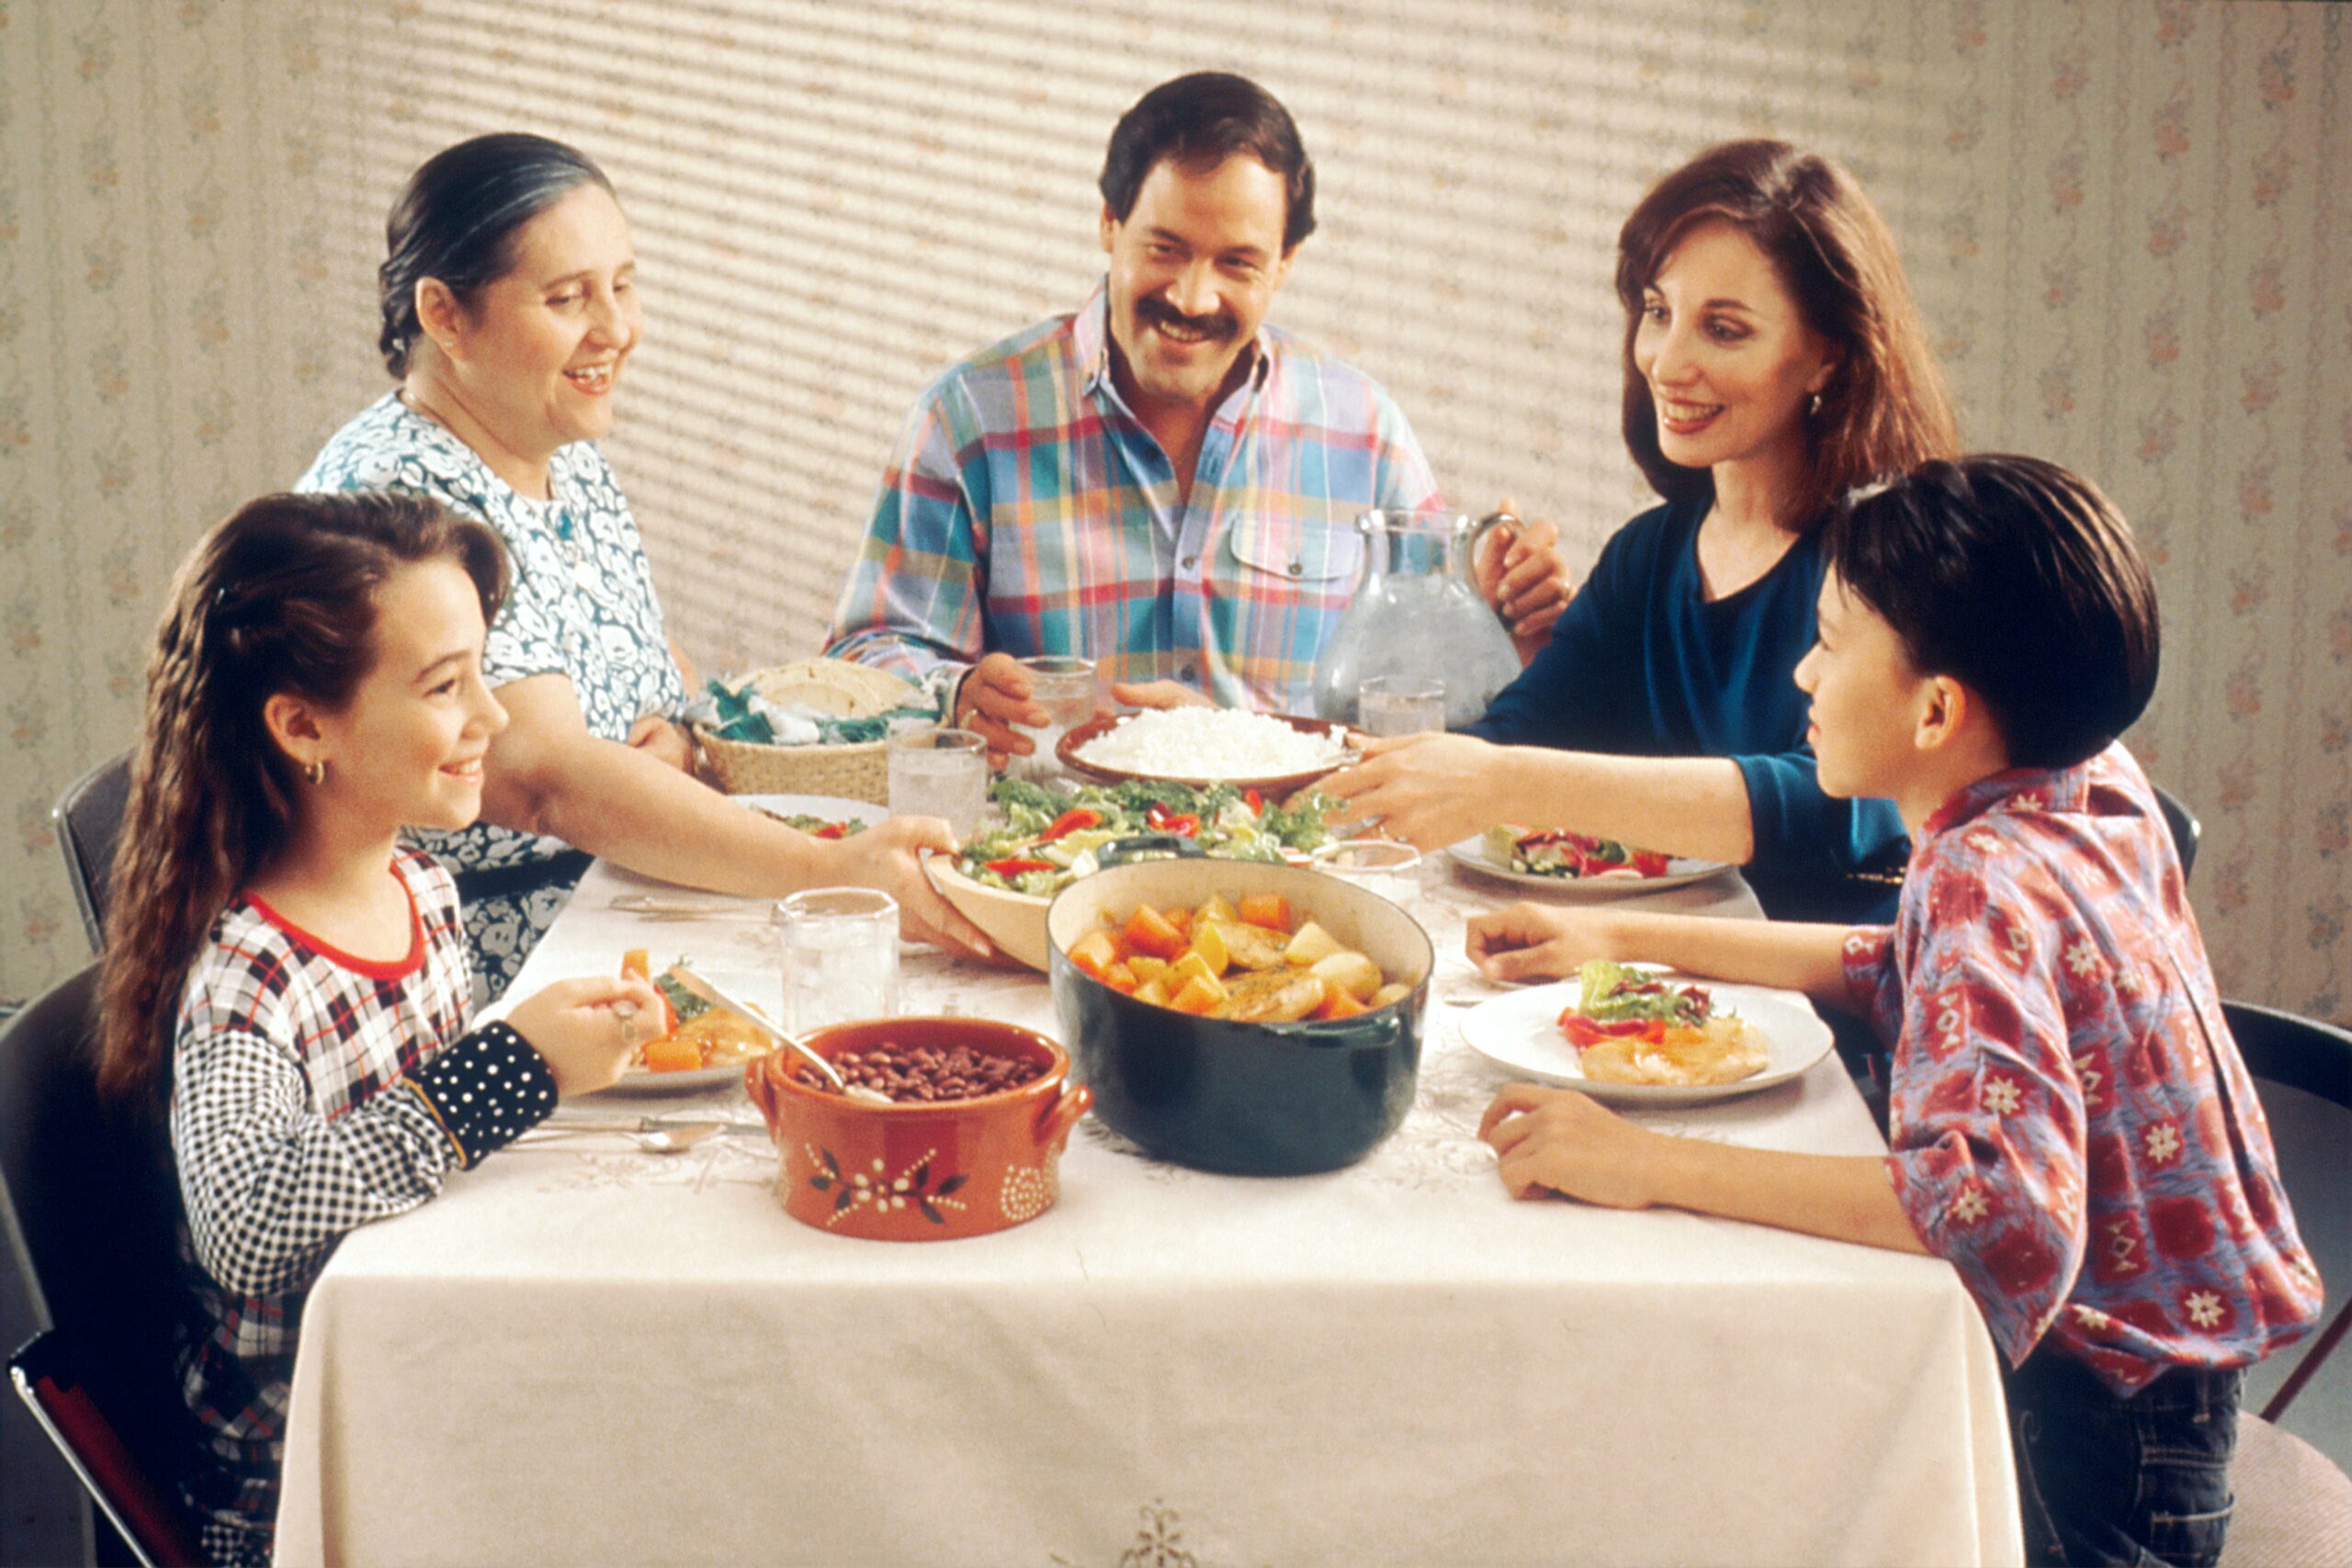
1528,941
1556,1140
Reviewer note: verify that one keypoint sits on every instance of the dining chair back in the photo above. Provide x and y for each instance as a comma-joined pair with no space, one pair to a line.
2185,830
91,1214
2293,1505
89,820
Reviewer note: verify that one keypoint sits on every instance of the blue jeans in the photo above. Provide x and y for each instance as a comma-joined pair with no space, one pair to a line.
2140,1481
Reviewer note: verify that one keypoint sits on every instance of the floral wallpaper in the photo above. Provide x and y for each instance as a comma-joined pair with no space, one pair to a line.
2116,213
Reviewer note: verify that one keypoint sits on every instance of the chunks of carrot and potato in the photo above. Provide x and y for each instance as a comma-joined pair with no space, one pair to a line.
1194,960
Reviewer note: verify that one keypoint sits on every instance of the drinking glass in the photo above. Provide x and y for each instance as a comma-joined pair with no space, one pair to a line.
1382,865
1399,705
841,956
1065,689
940,772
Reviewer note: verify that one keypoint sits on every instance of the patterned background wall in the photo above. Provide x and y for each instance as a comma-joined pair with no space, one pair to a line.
2114,212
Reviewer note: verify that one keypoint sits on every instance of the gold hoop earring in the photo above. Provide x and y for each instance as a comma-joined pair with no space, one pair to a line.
316,772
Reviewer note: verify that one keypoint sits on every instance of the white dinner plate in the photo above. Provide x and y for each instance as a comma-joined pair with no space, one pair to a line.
762,991
1680,872
831,808
1521,1034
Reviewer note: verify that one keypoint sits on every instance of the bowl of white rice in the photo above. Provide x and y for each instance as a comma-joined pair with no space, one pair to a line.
1272,753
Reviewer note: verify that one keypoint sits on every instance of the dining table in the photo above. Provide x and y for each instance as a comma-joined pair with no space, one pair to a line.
583,1351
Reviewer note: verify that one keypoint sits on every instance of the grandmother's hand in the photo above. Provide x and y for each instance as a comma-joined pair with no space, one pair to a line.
660,738
889,856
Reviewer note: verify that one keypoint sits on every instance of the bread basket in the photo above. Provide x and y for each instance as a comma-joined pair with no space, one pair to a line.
833,687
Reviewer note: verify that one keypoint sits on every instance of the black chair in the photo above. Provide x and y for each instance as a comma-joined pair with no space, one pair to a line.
90,819
2185,828
2294,1506
91,1214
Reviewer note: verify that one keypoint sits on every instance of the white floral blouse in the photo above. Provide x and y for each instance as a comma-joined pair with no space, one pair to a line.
581,606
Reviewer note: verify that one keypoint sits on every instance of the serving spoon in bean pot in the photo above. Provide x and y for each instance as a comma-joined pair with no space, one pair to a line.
701,987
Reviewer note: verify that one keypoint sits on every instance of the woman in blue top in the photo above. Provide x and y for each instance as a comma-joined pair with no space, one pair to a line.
509,310
1773,361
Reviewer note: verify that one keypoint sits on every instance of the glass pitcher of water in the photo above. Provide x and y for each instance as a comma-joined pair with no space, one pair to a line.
1417,612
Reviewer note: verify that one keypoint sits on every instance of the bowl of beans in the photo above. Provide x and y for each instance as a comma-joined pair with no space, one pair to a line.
966,1138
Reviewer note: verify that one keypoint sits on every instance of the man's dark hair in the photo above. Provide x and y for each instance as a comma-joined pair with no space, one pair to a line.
2021,582
1199,121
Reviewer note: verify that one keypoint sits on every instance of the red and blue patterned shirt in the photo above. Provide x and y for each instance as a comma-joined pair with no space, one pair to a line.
1027,510
2071,1124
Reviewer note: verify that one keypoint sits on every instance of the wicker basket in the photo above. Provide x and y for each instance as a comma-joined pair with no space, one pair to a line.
830,685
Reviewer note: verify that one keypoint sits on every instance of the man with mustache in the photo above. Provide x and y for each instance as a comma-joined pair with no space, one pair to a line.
1161,483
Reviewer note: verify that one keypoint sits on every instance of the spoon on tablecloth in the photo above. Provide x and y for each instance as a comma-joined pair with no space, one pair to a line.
653,1137
701,987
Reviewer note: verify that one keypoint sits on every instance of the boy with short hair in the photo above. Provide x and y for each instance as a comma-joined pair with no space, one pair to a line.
2070,1122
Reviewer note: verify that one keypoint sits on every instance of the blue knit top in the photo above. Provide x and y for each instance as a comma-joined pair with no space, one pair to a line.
1643,664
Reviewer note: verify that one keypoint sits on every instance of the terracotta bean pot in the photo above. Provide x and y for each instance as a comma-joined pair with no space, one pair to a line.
922,1171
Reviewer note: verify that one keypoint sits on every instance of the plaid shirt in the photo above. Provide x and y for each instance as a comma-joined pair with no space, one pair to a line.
1027,510
285,1140
2072,1125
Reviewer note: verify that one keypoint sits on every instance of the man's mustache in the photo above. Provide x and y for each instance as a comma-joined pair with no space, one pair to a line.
1219,326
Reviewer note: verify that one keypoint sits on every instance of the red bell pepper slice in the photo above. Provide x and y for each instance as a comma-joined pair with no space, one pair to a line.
1184,824
1583,1031
1015,865
834,830
1257,802
1071,821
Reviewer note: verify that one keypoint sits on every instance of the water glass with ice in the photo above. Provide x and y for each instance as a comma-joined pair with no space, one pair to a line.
1065,689
1379,865
1400,704
841,956
940,772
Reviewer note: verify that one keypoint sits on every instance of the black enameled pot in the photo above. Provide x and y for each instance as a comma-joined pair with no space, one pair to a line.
1255,1098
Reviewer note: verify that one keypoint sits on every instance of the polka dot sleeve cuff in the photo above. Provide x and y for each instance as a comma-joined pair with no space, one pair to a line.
486,1089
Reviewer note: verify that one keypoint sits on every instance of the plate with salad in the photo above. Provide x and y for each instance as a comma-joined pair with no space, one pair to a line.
821,816
1048,838
1559,861
1637,1034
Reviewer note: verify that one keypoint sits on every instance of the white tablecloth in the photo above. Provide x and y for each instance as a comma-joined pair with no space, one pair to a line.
582,1353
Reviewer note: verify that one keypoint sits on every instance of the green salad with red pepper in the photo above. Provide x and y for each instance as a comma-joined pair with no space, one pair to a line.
1050,837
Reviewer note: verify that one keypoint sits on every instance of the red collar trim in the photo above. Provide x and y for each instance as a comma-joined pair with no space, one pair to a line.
373,969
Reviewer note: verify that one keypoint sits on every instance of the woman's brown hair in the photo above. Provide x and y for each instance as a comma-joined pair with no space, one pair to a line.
1885,408
280,597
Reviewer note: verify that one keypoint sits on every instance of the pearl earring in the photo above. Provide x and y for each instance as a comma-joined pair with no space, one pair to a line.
316,773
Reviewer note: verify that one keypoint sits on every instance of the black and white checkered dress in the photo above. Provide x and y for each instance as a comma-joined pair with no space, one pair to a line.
312,1092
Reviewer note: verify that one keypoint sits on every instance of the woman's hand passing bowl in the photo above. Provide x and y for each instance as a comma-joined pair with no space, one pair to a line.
889,856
